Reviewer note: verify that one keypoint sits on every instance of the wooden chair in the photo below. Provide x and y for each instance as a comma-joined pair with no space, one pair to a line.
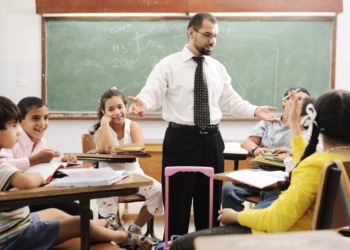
329,209
88,143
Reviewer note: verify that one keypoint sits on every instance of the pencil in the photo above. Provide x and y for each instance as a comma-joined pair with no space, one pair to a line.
287,96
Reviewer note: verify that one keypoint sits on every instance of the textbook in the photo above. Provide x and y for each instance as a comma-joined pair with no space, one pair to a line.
268,161
234,148
47,170
87,177
257,178
129,151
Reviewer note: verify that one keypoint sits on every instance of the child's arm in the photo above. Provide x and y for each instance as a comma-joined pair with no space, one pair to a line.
27,180
25,161
103,136
251,142
136,136
44,156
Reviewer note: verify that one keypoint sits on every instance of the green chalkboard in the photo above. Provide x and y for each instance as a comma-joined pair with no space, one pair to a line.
263,57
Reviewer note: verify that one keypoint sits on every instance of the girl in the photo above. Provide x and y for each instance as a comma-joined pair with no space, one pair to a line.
20,229
114,130
332,122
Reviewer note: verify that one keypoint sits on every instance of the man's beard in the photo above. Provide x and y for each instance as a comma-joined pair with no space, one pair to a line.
202,49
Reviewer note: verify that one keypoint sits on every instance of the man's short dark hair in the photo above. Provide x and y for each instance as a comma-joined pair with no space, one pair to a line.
197,20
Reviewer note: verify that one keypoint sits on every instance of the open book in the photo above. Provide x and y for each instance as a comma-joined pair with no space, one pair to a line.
257,179
234,148
47,170
129,151
86,177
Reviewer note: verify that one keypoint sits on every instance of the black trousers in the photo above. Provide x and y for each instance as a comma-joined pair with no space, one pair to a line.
189,148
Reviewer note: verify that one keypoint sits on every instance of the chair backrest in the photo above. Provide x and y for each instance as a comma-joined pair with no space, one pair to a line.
88,142
329,209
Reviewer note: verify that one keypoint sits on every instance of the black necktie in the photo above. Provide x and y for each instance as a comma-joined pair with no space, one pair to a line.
201,103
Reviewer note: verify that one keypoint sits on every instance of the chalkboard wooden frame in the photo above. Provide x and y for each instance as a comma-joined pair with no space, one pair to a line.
158,116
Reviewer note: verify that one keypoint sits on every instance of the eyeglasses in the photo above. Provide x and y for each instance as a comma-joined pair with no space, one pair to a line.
207,35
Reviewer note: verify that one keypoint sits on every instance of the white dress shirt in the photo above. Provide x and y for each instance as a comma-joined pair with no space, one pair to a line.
18,155
171,84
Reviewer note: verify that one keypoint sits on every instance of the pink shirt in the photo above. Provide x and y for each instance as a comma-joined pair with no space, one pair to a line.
18,155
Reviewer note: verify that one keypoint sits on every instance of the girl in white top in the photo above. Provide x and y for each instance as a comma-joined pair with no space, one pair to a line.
114,130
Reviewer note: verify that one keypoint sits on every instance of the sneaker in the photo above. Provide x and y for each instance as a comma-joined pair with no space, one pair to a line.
136,231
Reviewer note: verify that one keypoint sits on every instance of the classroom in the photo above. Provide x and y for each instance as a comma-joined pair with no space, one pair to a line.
21,67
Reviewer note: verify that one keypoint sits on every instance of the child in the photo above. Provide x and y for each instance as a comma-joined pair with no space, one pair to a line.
20,229
32,148
264,137
332,122
114,130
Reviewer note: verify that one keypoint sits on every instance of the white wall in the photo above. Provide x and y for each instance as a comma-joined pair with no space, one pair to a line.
20,57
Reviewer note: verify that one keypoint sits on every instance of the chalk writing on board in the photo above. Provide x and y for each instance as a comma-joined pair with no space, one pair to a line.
263,58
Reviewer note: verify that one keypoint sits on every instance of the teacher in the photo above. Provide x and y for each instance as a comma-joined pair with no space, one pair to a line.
193,89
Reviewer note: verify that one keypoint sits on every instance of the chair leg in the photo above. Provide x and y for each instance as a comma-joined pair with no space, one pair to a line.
150,230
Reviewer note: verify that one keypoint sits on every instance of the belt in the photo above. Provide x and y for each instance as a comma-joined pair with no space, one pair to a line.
207,130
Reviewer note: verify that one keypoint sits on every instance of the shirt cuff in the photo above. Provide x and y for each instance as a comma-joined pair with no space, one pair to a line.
21,164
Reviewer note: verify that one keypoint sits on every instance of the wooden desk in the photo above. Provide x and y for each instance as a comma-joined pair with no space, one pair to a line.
320,240
236,158
42,195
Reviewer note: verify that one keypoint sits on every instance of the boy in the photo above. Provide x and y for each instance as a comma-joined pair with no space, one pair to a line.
32,148
265,137
20,229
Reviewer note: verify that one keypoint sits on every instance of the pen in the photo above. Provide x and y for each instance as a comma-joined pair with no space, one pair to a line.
287,96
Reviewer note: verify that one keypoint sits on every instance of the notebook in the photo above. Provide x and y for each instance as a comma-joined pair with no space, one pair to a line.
257,179
267,161
87,177
47,170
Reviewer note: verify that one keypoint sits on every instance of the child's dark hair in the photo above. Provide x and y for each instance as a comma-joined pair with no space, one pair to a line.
294,88
28,103
8,112
333,120
306,102
107,95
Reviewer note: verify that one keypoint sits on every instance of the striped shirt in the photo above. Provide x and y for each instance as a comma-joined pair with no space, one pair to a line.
12,220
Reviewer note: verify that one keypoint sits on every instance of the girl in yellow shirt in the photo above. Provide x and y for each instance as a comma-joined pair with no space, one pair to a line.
294,208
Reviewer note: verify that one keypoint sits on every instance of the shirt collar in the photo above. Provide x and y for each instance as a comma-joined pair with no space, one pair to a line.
24,139
187,54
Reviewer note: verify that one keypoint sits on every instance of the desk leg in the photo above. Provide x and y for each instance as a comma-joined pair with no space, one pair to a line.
236,164
85,223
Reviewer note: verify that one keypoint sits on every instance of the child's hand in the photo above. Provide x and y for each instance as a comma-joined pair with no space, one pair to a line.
93,151
281,157
228,216
261,151
294,113
106,119
278,151
69,158
46,155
